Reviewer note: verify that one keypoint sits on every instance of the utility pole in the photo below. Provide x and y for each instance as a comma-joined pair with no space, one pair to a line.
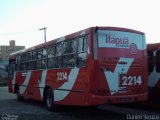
44,29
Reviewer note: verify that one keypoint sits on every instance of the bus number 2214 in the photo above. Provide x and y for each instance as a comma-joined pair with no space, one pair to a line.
62,76
131,80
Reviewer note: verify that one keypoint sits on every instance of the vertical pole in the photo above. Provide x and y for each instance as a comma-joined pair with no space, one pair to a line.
44,29
45,34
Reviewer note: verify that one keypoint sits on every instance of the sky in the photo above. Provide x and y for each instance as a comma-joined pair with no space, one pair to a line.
20,20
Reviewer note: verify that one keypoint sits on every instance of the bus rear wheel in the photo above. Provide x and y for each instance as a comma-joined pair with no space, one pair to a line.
19,97
49,100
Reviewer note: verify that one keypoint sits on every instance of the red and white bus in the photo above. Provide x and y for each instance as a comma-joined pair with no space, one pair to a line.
94,66
153,51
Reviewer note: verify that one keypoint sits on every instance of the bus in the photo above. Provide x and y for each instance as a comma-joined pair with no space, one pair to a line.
153,52
97,65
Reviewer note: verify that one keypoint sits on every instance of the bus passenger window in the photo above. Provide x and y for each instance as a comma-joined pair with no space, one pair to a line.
82,44
29,56
57,62
73,46
23,66
69,60
65,61
69,47
38,64
23,57
44,53
150,61
81,59
34,55
66,47
158,61
54,62
29,66
51,51
40,54
33,65
59,49
50,62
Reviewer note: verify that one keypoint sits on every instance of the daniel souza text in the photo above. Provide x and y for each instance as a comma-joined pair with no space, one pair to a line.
143,117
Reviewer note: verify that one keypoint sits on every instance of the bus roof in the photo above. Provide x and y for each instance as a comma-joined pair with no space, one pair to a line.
74,35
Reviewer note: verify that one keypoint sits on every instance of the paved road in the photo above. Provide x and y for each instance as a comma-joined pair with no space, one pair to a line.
36,110
33,110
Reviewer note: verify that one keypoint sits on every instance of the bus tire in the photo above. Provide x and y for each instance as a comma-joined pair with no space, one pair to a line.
19,97
49,99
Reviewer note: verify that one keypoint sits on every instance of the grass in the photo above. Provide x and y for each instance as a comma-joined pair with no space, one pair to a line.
3,82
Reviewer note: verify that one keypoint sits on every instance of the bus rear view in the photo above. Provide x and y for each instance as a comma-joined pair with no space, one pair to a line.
94,66
121,63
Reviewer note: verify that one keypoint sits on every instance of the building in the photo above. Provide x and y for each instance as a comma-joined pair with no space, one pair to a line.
6,50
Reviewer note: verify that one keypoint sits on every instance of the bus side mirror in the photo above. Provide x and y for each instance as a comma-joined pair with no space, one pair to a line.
158,61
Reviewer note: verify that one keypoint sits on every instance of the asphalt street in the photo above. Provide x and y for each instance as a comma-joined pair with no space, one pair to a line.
11,109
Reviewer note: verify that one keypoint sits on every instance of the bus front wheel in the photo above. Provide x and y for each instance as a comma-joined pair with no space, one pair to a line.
19,97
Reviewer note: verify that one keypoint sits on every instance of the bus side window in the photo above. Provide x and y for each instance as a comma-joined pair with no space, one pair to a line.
59,49
44,53
69,56
23,66
69,61
81,59
54,62
29,66
150,61
23,57
51,51
158,61
39,53
34,55
33,65
82,52
82,44
54,56
69,47
41,64
29,55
